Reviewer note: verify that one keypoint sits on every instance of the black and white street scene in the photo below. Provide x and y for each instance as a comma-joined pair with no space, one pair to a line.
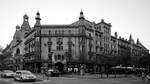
74,42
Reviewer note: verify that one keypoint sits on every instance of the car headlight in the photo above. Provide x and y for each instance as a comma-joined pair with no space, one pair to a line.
34,77
24,77
7,74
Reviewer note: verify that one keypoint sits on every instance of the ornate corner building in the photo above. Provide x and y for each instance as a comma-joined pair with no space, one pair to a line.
69,47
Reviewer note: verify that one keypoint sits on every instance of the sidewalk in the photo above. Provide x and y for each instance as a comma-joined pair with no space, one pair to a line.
41,77
94,76
86,76
90,79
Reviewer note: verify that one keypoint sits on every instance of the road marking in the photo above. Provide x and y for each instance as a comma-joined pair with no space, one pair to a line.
33,82
17,82
44,81
22,83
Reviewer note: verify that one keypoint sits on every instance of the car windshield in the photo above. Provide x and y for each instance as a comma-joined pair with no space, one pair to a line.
26,73
7,71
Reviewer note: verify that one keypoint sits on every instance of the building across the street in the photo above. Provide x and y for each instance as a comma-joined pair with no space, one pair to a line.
70,47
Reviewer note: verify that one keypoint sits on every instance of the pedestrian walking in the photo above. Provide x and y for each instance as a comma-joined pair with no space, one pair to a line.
147,78
143,75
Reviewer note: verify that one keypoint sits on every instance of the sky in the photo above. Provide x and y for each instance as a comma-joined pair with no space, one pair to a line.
126,16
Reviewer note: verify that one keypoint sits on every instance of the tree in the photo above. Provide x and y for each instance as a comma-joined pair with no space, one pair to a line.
4,58
145,60
124,60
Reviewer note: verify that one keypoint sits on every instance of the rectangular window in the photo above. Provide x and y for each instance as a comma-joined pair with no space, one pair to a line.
100,35
59,31
49,32
100,28
59,57
62,32
96,48
55,31
69,31
37,38
50,56
62,57
59,48
59,39
49,39
49,48
100,43
89,34
96,42
55,57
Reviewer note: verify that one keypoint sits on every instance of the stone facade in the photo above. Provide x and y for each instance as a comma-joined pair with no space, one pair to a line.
127,49
69,47
16,47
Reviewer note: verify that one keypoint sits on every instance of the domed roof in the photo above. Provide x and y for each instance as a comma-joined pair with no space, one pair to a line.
18,35
25,25
81,15
25,16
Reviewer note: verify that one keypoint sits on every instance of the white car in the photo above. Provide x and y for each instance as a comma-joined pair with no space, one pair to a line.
7,73
24,75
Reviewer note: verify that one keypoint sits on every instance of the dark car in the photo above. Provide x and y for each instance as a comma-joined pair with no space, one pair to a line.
7,73
52,72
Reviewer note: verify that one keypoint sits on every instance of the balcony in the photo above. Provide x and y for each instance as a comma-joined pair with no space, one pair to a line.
70,43
49,43
57,35
26,60
59,42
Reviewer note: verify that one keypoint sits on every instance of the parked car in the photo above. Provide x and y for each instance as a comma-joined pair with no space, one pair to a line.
52,72
7,74
24,75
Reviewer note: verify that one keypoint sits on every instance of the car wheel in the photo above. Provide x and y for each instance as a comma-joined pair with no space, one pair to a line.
4,76
15,79
21,79
34,80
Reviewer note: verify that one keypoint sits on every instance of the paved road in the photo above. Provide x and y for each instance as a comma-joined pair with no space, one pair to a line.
5,81
64,80
95,81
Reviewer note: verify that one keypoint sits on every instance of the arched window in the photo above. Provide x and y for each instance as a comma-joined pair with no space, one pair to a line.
17,51
62,57
59,56
26,33
55,31
55,57
49,32
63,31
69,31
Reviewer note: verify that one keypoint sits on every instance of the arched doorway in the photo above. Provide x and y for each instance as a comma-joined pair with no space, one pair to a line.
17,64
59,66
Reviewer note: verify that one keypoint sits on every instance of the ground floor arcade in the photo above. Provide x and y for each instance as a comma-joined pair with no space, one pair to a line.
69,67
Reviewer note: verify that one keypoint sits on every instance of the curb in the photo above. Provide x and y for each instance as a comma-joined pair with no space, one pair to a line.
96,77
